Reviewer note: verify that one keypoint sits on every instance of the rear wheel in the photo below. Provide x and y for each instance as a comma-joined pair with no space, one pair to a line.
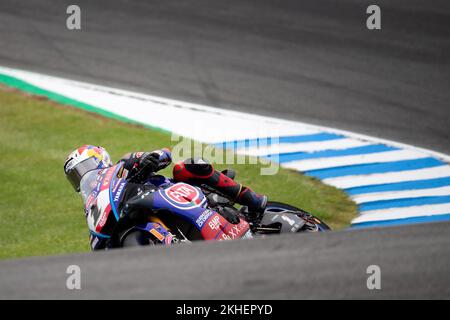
313,224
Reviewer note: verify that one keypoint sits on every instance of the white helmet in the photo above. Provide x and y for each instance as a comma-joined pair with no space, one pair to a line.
83,160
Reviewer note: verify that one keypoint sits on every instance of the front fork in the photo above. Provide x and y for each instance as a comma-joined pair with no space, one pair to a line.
158,232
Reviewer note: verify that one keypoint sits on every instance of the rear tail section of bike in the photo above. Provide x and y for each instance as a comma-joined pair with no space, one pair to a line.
283,218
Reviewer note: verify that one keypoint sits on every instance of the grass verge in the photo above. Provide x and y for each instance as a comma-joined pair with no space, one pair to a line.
41,215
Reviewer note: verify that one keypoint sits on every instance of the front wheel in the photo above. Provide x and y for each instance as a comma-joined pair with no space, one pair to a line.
311,223
136,238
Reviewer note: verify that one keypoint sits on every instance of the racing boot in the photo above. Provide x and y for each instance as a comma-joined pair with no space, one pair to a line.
198,171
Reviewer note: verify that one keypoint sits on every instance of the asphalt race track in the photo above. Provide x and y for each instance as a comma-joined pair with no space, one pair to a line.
303,266
312,61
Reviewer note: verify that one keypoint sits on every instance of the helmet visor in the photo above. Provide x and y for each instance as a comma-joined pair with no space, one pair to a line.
77,172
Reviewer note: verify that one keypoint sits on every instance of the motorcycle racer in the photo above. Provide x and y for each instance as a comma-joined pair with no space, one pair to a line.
87,164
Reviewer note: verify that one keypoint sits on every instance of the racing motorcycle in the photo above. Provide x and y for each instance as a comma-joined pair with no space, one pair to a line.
183,213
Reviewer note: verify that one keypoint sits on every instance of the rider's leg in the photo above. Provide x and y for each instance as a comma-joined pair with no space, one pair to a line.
198,171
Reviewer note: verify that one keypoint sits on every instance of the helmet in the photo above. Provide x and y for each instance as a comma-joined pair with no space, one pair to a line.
83,160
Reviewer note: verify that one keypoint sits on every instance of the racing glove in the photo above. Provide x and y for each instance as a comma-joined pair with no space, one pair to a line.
141,164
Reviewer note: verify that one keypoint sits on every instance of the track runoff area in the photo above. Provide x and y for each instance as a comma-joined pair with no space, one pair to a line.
392,183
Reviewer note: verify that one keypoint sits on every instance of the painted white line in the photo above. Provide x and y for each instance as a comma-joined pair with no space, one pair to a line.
401,213
379,157
337,144
390,177
41,81
201,123
390,195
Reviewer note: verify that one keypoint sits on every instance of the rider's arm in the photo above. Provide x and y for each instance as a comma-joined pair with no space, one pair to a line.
144,163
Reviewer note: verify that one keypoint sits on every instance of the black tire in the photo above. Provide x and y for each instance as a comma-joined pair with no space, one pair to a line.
137,238
322,226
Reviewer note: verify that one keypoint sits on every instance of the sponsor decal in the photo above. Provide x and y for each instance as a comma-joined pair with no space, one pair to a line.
102,221
203,217
224,236
103,218
234,231
183,196
157,234
288,220
119,191
218,228
115,185
182,193
169,239
212,229
214,223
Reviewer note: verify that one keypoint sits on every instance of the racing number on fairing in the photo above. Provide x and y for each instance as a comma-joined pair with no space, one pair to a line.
95,213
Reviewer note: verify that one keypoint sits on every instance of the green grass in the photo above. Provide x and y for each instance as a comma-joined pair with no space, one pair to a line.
40,213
